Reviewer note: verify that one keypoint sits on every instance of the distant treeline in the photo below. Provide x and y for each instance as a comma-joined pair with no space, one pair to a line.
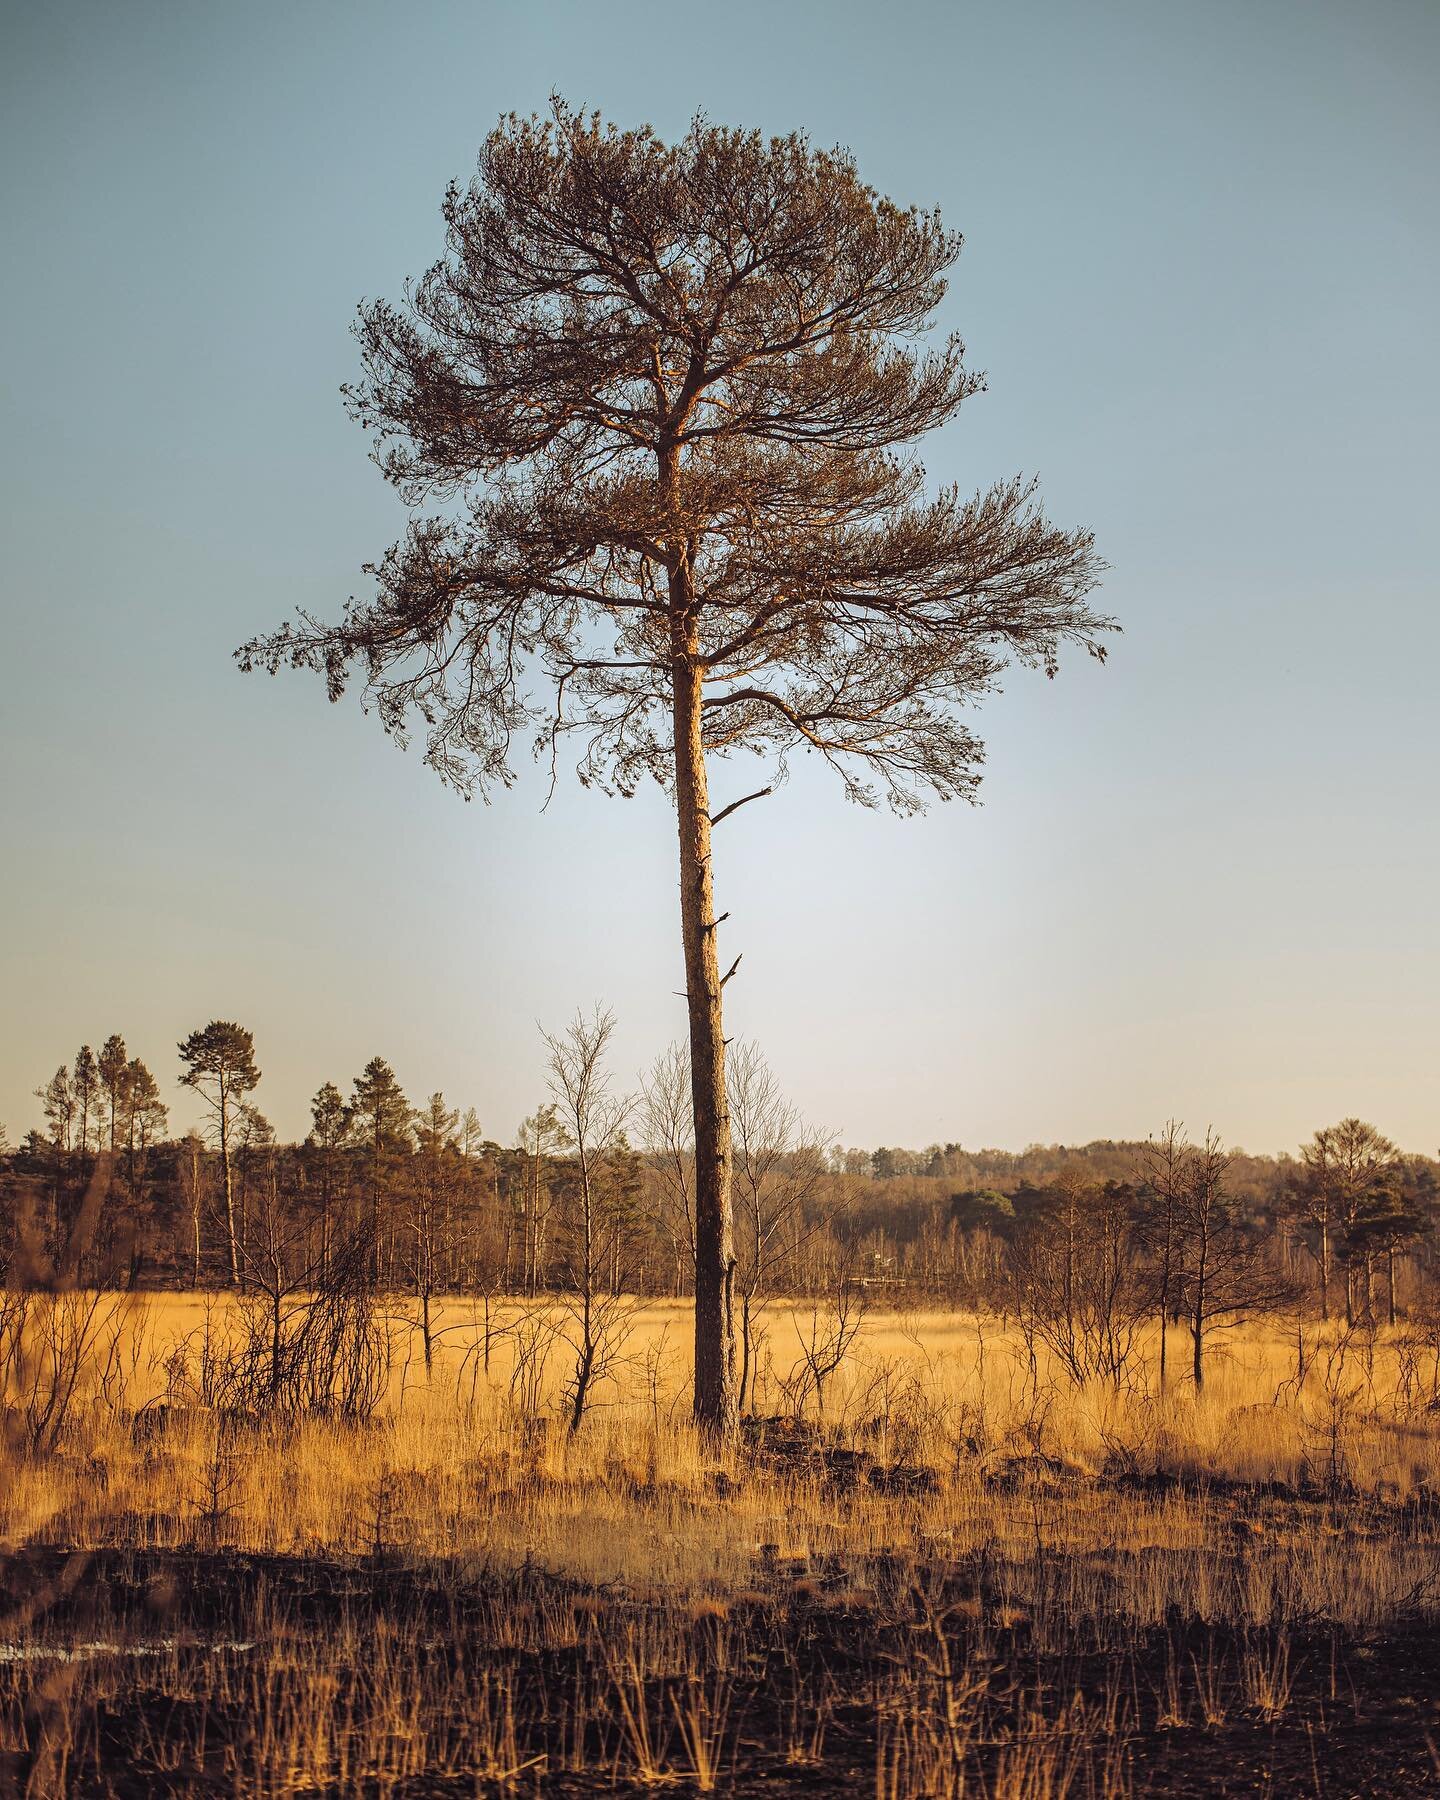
105,1191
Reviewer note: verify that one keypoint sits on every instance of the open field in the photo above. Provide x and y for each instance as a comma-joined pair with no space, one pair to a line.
966,1577
733,1293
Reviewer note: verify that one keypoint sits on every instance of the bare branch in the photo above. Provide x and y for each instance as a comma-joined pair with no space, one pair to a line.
735,805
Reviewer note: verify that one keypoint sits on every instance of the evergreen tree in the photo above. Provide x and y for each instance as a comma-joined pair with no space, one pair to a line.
142,1121
435,1185
542,1138
1397,1212
220,1066
1346,1177
381,1116
86,1087
112,1066
330,1130
678,390
58,1099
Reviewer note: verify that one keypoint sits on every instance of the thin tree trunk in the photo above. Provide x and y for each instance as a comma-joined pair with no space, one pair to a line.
715,1396
195,1177
1390,1280
229,1194
375,1204
585,1366
742,1400
327,1184
532,1225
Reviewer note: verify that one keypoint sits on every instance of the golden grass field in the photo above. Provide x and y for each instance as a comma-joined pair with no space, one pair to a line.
969,1577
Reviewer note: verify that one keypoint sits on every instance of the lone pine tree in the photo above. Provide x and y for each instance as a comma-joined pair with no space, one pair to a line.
219,1064
666,395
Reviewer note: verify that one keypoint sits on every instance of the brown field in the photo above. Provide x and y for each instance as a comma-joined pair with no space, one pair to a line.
967,1577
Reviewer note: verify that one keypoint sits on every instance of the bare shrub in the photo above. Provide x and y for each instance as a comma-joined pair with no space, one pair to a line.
290,1349
827,1330
61,1345
533,1337
779,1170
58,1350
596,1314
1077,1282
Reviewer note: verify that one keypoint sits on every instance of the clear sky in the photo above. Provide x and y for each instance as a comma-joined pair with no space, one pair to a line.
1201,268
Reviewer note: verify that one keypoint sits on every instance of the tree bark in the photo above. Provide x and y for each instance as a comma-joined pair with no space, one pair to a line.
715,1394
229,1187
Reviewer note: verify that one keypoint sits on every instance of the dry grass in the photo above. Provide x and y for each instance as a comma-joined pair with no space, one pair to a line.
863,1586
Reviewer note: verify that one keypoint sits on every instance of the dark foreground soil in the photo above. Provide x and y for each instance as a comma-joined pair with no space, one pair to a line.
195,1664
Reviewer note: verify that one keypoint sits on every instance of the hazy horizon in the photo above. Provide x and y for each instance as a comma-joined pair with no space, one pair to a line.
1201,254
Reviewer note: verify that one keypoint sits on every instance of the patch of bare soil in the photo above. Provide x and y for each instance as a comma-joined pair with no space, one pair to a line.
132,1674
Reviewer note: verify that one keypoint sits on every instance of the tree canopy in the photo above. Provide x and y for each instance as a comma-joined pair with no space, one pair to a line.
636,360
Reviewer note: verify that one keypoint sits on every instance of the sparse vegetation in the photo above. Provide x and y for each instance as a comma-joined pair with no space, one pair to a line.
964,1571
670,1444
353,1523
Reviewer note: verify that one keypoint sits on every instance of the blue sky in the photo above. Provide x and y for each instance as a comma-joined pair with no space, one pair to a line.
1202,254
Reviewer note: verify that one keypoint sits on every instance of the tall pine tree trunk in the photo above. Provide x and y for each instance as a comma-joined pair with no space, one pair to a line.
715,1396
